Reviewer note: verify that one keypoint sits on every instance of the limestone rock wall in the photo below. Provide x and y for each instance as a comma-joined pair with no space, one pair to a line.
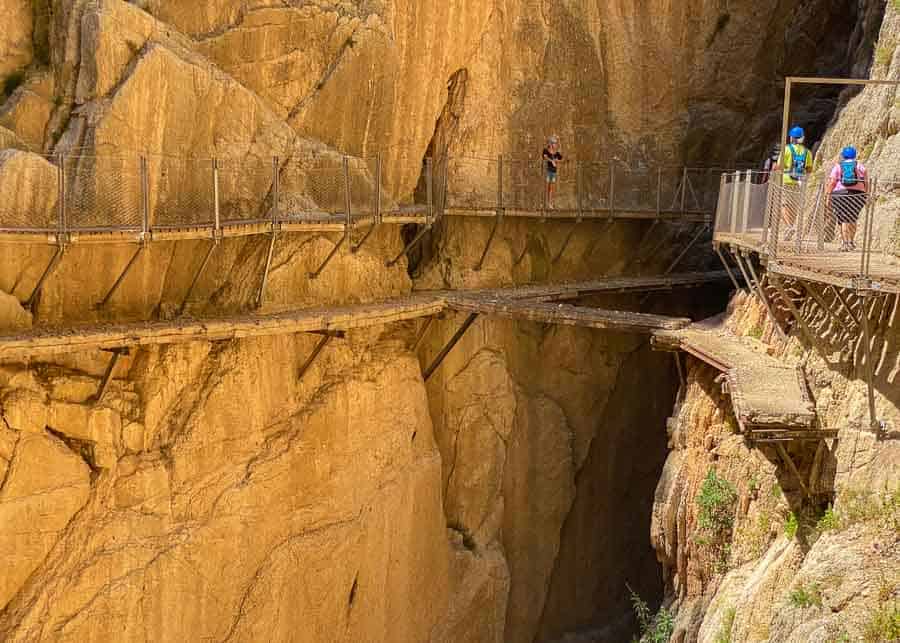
787,568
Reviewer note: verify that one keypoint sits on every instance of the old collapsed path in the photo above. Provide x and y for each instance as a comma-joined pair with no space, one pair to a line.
527,303
770,398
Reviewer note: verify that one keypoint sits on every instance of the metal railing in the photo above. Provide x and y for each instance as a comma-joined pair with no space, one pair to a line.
140,195
848,233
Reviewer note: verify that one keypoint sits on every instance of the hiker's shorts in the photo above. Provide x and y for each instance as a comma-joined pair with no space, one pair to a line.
551,176
847,204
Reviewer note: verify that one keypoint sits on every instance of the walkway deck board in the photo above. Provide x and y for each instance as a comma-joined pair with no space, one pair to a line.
525,303
766,393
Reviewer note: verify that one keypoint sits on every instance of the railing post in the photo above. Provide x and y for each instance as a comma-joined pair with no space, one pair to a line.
61,201
612,189
659,191
217,225
349,221
579,188
429,187
684,187
376,211
745,212
145,200
499,184
735,201
867,229
276,188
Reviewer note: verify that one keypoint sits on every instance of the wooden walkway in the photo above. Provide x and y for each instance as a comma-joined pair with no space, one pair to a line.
770,399
525,303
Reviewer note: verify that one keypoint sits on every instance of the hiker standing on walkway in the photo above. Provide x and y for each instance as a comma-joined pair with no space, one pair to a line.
552,156
847,193
770,163
795,163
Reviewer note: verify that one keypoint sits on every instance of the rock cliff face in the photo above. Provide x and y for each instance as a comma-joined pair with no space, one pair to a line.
210,493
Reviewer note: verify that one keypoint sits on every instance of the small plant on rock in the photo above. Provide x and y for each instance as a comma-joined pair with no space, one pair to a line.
804,597
791,526
724,633
655,628
828,522
883,625
716,500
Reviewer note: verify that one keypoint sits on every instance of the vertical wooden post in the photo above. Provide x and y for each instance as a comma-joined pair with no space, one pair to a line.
429,187
376,212
659,191
218,223
612,189
145,200
61,203
276,189
349,217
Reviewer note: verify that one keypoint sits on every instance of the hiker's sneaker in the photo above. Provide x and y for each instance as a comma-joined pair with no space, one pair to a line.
852,245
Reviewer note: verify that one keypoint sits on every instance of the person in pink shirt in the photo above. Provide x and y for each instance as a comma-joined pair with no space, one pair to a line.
847,193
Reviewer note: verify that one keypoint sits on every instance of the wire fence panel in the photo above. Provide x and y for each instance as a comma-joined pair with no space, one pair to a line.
635,189
595,185
29,186
524,185
103,193
245,190
312,190
181,192
472,184
361,174
725,213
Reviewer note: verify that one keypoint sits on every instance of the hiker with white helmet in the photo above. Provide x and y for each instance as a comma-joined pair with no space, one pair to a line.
847,193
552,156
795,163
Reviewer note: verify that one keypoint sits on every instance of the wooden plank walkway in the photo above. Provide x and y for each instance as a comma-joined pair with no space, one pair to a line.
566,314
770,398
526,303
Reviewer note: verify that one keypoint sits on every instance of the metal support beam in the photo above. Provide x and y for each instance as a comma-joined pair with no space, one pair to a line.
565,243
318,271
804,327
687,248
727,268
190,291
54,263
845,304
421,334
428,372
268,266
757,284
121,277
409,246
108,373
490,241
874,424
817,296
786,457
323,341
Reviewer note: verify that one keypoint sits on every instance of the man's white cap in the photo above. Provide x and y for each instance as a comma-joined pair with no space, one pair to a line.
553,139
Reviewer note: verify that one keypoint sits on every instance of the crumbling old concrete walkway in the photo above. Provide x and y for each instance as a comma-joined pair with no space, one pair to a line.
526,303
771,400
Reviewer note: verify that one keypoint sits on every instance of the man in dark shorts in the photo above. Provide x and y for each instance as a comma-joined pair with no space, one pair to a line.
552,156
847,190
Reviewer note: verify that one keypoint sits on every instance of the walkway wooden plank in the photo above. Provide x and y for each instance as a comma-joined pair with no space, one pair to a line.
566,314
608,285
54,341
43,343
766,393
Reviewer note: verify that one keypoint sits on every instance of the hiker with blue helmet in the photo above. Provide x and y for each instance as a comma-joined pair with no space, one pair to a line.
847,193
552,156
795,163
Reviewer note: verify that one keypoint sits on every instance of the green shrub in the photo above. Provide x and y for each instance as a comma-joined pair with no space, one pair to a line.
803,597
883,625
828,522
756,332
656,628
716,500
791,526
884,54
